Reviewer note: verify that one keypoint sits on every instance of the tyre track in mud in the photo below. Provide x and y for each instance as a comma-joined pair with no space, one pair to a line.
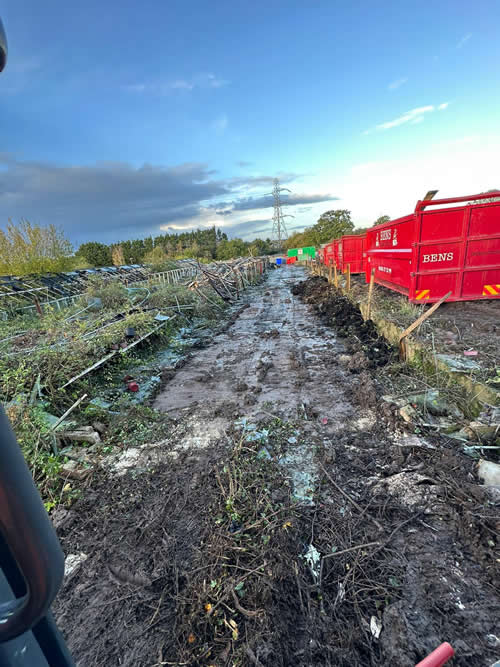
274,355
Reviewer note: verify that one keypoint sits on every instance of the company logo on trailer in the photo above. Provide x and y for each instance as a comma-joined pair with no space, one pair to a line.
395,237
385,234
437,257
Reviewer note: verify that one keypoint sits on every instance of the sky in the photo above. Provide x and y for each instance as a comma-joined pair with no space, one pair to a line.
122,119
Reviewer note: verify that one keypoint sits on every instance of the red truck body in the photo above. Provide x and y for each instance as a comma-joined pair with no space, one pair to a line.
351,251
429,253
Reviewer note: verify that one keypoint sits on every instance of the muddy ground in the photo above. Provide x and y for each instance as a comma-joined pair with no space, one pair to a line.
287,518
455,328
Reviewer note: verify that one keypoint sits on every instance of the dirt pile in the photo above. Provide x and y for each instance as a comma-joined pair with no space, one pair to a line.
338,311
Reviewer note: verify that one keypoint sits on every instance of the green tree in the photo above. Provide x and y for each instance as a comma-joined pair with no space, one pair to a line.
96,254
231,249
380,220
260,247
27,248
332,225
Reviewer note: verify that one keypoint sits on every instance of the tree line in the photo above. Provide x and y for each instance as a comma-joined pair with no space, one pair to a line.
26,248
202,244
331,225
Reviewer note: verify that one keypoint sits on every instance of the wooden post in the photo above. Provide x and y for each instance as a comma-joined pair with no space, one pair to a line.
336,277
330,274
348,285
418,322
38,307
370,294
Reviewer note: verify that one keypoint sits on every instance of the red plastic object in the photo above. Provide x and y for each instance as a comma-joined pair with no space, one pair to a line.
291,260
431,252
438,657
351,250
133,386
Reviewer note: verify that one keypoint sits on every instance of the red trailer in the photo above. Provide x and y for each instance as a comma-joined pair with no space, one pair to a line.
351,250
291,260
455,247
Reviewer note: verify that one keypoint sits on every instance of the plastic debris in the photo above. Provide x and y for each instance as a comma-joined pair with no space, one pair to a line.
263,454
458,365
82,434
471,353
489,472
100,403
375,626
313,560
73,562
133,386
408,413
438,657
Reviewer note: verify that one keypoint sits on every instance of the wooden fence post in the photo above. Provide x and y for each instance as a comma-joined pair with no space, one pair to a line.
370,294
336,276
418,322
348,285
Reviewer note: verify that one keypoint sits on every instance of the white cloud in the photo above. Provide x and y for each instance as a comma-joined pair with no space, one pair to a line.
180,84
212,81
405,118
200,81
464,166
413,117
397,83
464,40
220,124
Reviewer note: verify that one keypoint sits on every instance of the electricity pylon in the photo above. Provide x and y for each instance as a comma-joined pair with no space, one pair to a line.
279,233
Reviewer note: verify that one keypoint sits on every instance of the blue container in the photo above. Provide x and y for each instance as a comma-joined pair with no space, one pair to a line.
279,260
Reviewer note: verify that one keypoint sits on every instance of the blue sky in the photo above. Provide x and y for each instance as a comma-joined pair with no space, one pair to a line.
122,119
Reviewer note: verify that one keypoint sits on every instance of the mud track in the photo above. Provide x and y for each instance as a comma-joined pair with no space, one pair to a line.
288,519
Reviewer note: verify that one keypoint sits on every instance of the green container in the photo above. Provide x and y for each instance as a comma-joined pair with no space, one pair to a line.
306,253
302,253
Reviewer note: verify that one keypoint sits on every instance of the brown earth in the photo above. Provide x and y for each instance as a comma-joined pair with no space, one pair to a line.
454,328
288,518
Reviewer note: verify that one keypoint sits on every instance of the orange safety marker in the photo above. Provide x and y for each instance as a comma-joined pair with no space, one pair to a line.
421,294
491,290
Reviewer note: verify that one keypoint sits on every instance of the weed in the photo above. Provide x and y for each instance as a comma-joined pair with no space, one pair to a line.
112,293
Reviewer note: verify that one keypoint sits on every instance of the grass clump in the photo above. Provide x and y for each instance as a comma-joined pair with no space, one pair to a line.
113,294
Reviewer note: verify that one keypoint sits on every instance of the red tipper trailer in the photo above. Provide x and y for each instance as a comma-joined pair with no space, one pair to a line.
351,250
455,247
